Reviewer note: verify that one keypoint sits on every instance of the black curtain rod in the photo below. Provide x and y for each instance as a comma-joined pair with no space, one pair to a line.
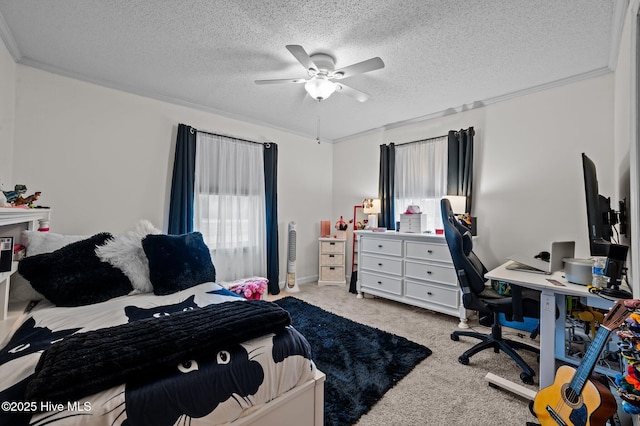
231,137
423,140
436,137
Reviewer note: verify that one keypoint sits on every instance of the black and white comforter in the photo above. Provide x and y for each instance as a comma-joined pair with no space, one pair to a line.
191,357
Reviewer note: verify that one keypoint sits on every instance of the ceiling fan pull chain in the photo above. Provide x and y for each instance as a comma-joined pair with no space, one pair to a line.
318,123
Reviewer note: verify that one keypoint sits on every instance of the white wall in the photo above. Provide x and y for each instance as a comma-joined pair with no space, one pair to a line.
528,184
625,135
103,160
7,116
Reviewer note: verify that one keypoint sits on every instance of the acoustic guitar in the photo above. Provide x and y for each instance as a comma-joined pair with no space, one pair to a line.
573,399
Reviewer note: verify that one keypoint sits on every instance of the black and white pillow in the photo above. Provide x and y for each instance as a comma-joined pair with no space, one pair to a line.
74,275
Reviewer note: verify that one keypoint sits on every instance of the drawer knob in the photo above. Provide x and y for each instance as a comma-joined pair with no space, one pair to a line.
380,282
332,255
429,272
331,268
430,251
332,243
429,293
379,264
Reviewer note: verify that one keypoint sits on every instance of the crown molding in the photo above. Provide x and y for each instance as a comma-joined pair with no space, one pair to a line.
617,25
9,41
482,103
159,97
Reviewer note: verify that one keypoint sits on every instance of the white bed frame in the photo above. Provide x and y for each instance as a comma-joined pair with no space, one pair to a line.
302,406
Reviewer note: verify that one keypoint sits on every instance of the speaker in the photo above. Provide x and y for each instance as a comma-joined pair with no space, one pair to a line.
615,262
6,253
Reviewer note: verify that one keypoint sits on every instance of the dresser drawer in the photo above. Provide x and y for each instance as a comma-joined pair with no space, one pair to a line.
327,247
446,296
428,251
332,260
431,272
379,282
332,273
387,265
380,246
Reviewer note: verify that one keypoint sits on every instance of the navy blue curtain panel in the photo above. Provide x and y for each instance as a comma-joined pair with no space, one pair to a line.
184,166
271,192
460,164
385,185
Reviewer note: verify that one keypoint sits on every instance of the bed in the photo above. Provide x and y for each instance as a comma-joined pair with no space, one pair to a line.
185,353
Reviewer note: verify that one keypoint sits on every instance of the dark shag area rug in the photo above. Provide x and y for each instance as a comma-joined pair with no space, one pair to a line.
361,362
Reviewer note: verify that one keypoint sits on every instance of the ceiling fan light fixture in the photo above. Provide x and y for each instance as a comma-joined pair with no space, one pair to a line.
320,88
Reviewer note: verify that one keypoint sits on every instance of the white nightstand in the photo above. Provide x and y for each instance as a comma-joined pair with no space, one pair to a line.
331,261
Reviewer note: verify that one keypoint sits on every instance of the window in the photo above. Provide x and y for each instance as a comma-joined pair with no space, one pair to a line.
231,231
420,178
229,204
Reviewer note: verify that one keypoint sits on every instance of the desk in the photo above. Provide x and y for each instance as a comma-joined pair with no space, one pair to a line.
551,296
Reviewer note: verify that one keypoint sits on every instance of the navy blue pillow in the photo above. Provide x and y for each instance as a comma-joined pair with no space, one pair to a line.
177,262
74,275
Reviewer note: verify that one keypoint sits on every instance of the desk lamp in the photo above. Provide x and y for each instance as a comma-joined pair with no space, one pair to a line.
458,203
371,207
459,207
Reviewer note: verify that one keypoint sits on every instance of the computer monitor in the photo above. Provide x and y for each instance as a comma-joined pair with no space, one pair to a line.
599,211
601,219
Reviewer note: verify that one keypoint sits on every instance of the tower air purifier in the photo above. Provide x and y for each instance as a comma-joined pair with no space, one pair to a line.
291,285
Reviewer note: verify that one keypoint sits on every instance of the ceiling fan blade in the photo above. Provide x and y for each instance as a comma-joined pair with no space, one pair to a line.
302,56
281,80
359,68
350,91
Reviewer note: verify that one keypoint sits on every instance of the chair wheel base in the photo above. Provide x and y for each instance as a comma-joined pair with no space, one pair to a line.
463,359
454,337
527,379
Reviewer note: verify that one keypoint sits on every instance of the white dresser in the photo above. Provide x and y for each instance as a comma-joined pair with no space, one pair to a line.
410,268
331,261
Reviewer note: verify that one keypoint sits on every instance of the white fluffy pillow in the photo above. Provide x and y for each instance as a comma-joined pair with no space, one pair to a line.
21,290
125,253
46,242
37,243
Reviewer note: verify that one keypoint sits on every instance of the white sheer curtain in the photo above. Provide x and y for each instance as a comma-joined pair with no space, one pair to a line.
229,205
420,178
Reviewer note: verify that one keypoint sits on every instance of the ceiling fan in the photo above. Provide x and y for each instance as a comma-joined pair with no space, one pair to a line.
321,70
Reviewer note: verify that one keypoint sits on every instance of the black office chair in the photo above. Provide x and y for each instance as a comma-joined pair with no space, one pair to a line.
478,296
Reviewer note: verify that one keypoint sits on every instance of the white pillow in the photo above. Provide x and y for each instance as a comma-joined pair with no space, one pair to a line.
46,242
22,291
125,253
37,243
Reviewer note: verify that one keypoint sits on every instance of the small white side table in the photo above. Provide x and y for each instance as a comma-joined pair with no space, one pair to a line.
331,261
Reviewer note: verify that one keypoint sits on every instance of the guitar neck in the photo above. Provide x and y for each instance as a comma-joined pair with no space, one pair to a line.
588,363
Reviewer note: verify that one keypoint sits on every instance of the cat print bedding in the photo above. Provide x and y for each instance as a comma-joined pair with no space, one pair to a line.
200,356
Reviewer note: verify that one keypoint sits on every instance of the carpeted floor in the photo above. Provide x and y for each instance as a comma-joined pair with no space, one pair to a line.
439,390
361,362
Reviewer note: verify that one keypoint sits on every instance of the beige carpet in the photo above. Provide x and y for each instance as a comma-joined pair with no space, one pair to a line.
439,391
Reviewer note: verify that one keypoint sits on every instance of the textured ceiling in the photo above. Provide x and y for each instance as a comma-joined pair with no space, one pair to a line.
439,55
